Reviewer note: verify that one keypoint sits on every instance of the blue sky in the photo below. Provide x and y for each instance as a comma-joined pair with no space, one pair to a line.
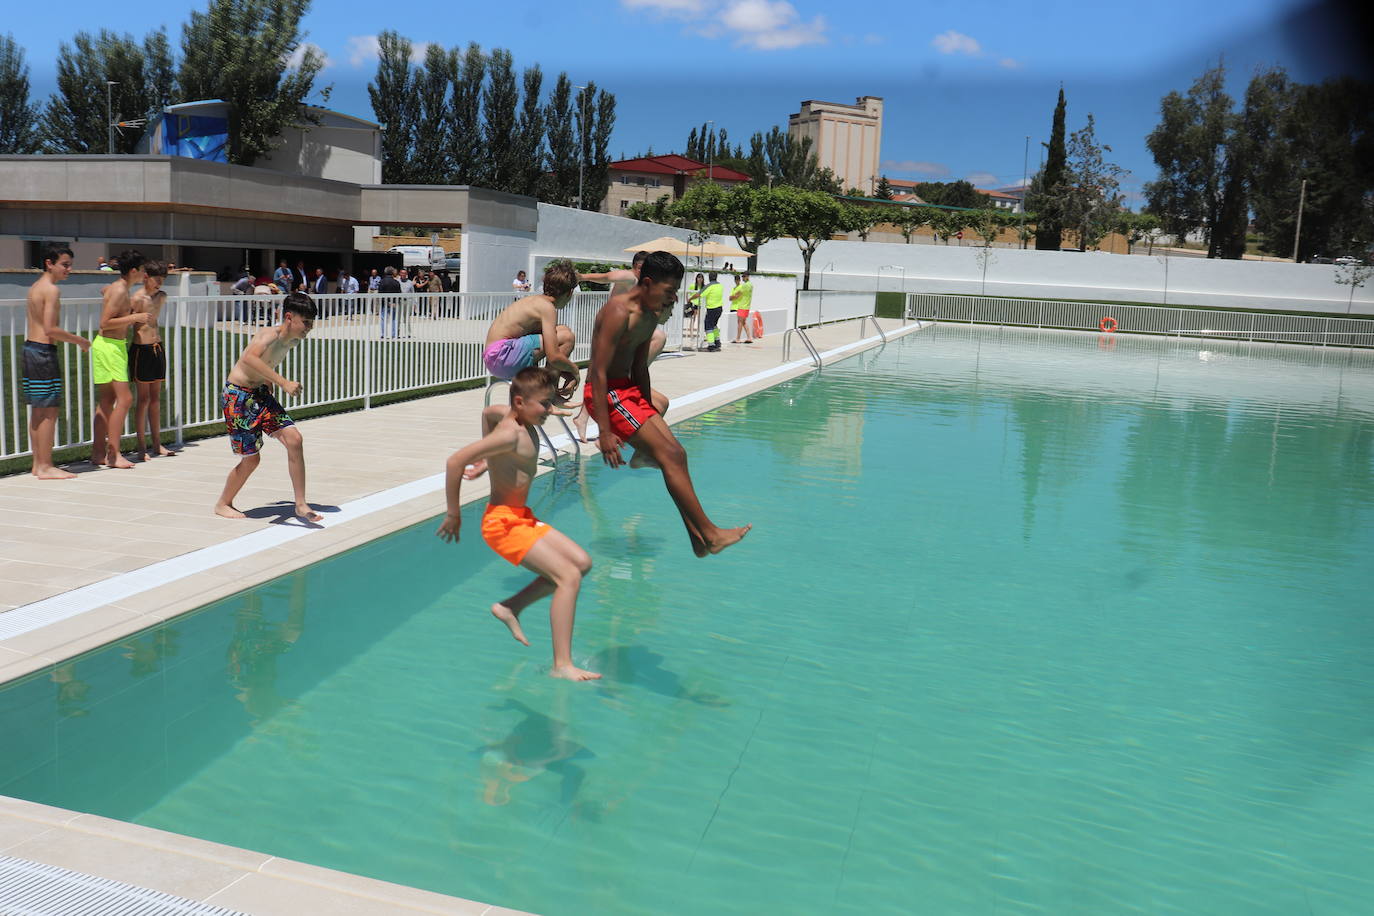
964,83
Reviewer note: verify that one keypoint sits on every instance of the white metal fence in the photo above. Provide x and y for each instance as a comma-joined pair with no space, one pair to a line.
1144,319
362,347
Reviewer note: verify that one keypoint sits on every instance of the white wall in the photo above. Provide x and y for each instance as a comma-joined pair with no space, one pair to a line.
492,257
582,235
1072,275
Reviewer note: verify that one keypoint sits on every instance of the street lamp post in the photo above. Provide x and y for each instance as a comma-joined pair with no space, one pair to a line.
581,141
1025,167
109,117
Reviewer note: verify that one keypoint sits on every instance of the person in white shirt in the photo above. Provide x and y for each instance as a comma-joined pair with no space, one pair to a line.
521,283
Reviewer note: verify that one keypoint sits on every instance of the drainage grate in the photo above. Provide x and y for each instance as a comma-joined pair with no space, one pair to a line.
34,889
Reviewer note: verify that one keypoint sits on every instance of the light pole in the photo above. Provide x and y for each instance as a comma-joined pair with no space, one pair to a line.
109,117
1297,232
581,140
1025,167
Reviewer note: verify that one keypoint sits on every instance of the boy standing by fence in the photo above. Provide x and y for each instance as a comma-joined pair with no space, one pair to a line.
250,409
148,363
42,380
619,396
509,449
110,363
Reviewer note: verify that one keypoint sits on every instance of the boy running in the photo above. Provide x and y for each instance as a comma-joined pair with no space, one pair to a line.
42,382
509,448
110,363
527,331
148,363
250,409
620,399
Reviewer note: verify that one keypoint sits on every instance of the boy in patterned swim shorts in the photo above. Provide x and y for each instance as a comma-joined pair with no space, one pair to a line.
42,381
509,449
250,410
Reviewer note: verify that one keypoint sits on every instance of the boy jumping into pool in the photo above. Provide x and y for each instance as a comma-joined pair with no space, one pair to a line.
509,448
619,396
527,331
250,409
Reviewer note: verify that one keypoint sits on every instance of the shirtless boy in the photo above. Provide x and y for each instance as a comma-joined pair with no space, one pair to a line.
619,396
527,331
42,383
250,409
110,362
148,363
509,448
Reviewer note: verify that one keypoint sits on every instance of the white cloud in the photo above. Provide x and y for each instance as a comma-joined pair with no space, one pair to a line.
771,26
686,9
1009,63
981,179
930,169
953,42
363,49
418,51
298,56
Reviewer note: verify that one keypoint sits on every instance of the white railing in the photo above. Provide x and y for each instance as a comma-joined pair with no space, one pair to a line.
818,306
363,346
1144,319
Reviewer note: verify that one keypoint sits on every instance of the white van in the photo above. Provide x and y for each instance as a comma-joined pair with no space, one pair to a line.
419,256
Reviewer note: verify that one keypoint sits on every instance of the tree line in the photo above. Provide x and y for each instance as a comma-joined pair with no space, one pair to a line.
463,117
249,53
1222,165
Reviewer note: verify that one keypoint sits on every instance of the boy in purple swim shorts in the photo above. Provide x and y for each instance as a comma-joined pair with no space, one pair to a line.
527,331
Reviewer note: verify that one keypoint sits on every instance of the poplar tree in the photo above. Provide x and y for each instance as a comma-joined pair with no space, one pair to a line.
433,157
529,132
598,173
499,102
466,135
241,51
18,116
391,92
75,118
560,183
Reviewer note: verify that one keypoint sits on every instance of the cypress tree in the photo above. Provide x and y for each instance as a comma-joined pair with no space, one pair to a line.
1050,227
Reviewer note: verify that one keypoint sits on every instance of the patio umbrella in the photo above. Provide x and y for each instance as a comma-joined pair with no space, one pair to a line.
683,249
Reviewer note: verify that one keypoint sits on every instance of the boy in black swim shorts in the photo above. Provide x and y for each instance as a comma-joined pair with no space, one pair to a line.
148,363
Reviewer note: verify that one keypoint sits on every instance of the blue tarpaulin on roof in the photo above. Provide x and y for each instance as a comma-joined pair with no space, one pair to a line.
196,137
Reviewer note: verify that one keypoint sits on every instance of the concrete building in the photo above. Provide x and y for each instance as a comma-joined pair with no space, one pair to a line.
845,138
646,179
1007,199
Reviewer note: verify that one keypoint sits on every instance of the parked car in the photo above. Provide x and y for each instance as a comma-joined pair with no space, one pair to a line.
1348,261
419,255
453,260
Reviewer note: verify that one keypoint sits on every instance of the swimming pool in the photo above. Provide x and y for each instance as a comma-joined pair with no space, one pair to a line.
1028,621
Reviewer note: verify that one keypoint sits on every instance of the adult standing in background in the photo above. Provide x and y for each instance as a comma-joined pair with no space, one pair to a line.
521,283
713,300
299,278
348,286
282,277
373,280
740,298
389,287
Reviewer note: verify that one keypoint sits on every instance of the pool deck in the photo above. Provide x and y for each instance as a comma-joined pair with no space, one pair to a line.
88,561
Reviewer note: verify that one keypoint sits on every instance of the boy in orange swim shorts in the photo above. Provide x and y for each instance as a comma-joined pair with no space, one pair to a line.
509,449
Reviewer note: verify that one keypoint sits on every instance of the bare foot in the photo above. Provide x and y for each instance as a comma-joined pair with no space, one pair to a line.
511,619
122,463
226,510
53,474
727,537
475,470
641,460
580,424
304,511
164,452
573,673
138,457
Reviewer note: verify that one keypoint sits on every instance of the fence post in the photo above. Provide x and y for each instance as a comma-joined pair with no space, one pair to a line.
367,363
179,375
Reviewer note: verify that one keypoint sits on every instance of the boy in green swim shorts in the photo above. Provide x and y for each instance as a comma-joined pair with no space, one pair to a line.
110,362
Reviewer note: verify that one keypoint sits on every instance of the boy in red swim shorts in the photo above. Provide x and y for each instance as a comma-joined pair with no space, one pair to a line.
626,408
509,449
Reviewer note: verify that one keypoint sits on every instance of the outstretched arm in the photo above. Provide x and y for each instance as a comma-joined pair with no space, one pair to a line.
497,442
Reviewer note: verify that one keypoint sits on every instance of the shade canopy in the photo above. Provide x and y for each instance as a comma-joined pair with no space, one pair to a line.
683,249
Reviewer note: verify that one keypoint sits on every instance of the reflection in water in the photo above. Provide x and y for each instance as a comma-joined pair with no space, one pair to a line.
71,691
145,651
256,645
536,744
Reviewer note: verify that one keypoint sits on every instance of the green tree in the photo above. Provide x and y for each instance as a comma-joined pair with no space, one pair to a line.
241,51
596,121
1091,200
952,194
433,156
1190,147
1044,194
986,224
810,217
500,99
74,120
18,116
884,191
750,214
560,182
469,154
529,133
1135,227
391,91
910,219
861,219
658,211
948,223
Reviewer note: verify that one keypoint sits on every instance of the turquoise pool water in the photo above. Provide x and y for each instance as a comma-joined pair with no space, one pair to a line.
1029,622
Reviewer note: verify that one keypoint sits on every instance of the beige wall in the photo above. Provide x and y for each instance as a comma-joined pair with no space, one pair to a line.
620,196
847,139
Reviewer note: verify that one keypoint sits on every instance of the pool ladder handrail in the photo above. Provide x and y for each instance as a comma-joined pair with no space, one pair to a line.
787,345
865,319
486,402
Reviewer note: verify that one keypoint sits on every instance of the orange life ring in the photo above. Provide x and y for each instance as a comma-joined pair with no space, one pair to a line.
757,324
1107,324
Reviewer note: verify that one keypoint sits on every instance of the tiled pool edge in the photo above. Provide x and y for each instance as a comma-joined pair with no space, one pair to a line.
225,875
